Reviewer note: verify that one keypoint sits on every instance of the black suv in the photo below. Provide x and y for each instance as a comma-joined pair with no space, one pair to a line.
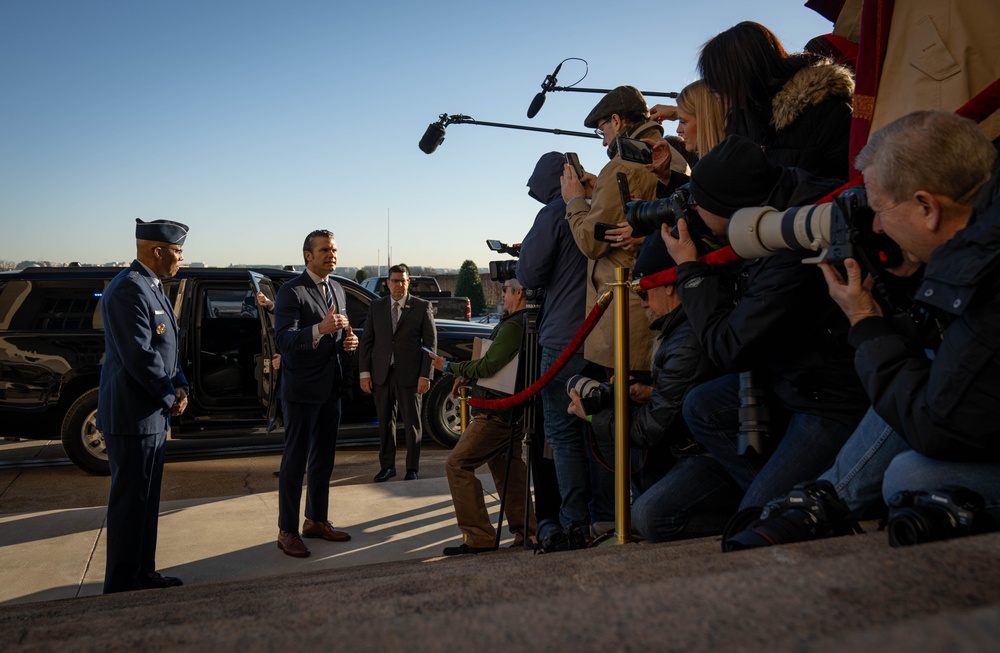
52,348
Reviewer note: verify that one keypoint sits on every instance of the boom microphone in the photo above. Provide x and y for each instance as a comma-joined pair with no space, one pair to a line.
433,137
547,85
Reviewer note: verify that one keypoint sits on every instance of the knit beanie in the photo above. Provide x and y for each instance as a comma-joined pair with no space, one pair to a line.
734,174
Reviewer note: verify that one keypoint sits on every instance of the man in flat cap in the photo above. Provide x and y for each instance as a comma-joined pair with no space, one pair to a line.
142,385
620,113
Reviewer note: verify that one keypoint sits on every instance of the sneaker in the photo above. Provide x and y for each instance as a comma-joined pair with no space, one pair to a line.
465,548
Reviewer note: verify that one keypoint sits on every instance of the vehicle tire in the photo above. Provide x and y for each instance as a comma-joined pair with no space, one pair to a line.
441,418
83,443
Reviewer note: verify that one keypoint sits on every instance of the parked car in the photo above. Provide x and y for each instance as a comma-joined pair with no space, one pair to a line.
52,348
443,304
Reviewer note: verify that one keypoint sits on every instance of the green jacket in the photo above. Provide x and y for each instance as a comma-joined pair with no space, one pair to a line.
507,337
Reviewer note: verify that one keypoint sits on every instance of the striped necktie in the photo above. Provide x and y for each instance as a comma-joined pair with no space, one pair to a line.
328,294
395,315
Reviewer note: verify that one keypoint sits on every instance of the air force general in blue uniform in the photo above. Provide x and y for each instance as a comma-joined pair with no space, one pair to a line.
141,386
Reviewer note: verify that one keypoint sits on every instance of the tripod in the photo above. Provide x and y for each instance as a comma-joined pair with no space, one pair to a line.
528,366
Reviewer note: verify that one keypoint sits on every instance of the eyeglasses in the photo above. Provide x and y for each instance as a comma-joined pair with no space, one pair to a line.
398,280
641,294
506,288
600,127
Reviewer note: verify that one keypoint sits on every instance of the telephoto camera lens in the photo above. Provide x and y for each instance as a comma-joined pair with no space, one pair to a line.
755,418
594,395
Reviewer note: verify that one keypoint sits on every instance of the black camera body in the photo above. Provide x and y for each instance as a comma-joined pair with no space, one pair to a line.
812,510
917,517
645,217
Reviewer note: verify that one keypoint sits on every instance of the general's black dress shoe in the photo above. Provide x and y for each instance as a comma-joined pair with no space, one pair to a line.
153,580
465,548
385,475
410,475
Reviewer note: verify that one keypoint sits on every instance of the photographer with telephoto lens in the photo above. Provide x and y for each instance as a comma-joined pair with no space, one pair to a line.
680,491
933,182
771,316
936,395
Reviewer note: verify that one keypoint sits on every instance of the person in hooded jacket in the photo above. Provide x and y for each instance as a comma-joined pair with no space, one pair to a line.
551,261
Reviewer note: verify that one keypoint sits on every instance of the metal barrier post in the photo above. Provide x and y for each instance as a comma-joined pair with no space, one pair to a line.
463,407
623,515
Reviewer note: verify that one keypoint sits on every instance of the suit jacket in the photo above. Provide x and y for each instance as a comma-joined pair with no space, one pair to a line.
308,374
379,344
141,368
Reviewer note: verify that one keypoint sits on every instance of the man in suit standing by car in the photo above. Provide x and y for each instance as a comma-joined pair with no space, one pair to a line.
141,386
314,338
395,368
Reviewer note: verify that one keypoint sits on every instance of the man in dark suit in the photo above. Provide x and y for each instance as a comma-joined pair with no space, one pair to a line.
314,339
395,368
141,386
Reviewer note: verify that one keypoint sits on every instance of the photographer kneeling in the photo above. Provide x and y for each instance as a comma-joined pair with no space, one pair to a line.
682,492
925,175
770,316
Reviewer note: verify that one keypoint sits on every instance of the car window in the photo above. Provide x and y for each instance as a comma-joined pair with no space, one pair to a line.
59,305
230,303
357,308
423,285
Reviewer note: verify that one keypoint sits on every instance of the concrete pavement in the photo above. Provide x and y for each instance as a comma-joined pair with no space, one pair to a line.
61,553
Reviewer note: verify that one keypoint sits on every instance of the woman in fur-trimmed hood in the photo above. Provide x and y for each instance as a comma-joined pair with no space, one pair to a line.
796,107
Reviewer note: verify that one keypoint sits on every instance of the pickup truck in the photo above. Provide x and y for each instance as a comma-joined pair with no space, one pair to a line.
442,303
52,347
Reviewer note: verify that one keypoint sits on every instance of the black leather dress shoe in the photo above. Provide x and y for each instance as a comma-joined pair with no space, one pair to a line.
154,580
385,475
410,475
465,548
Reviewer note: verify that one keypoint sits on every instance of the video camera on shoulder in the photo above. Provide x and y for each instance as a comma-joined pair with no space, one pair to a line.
503,270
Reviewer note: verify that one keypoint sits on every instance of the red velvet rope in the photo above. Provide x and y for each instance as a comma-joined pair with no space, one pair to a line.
581,334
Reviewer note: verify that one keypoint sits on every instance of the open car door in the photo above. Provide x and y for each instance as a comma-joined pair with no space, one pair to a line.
267,376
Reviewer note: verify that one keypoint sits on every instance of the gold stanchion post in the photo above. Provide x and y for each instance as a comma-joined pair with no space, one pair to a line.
463,406
623,515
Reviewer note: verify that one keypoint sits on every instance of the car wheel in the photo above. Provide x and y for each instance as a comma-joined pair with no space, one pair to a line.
83,443
441,418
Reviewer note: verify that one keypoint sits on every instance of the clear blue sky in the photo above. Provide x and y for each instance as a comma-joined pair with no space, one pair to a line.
255,122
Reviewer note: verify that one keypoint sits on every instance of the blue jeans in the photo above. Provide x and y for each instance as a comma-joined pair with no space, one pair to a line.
857,472
807,447
567,435
694,499
914,472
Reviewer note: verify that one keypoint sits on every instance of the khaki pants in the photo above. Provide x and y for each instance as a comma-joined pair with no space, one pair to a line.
484,442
